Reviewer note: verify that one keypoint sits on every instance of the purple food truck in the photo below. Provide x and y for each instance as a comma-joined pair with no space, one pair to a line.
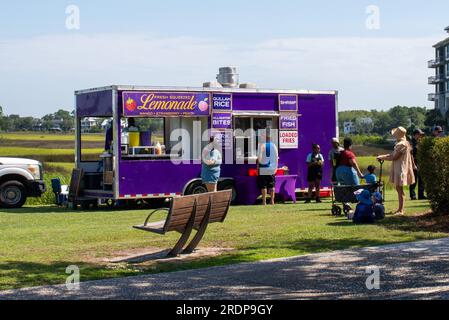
154,138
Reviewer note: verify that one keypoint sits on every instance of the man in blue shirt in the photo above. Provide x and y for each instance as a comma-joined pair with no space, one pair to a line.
268,164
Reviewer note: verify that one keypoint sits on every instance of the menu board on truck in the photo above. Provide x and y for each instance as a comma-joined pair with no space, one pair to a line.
225,137
288,103
288,121
288,139
222,120
222,102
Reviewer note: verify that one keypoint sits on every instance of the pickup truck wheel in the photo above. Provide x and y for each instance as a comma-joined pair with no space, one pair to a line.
12,195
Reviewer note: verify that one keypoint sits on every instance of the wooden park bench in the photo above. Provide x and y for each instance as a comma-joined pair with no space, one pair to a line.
188,213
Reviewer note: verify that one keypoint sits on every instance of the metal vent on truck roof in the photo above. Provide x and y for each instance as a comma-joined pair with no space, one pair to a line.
228,77
248,85
212,84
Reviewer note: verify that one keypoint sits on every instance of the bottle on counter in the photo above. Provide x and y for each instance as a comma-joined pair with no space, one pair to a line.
158,149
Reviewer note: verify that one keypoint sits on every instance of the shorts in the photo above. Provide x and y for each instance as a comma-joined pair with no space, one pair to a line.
347,176
314,174
210,176
266,181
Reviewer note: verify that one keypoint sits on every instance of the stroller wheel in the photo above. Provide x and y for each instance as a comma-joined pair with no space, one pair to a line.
346,209
336,211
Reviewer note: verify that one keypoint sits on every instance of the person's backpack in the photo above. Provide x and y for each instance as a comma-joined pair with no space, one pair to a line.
379,211
363,214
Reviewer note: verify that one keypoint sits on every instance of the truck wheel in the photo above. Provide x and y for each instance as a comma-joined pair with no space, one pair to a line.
12,195
196,187
229,185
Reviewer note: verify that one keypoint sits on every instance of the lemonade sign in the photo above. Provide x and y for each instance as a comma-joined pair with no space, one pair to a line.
153,104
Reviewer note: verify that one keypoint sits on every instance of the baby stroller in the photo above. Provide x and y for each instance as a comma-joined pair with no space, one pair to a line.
345,194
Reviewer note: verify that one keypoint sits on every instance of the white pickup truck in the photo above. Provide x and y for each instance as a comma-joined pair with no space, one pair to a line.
19,179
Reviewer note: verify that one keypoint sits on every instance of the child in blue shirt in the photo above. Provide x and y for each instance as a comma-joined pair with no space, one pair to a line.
371,177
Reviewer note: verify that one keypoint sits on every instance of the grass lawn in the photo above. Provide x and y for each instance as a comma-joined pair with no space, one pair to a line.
35,136
38,243
20,152
48,155
66,167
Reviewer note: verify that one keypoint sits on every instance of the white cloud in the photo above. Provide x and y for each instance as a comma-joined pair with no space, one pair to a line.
368,72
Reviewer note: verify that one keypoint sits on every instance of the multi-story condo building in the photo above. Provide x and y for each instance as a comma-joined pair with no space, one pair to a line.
441,77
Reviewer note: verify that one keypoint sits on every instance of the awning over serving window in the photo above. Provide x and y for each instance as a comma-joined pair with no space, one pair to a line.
255,114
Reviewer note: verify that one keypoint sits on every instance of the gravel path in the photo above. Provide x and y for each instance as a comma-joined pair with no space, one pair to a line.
418,270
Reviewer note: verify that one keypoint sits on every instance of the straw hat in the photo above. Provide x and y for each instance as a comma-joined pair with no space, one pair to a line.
399,133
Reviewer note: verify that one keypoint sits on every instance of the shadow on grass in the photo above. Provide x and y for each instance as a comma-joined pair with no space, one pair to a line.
318,245
36,210
18,274
418,223
100,209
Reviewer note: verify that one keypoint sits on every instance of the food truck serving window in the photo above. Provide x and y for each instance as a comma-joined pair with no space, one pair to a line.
154,127
149,138
248,132
142,137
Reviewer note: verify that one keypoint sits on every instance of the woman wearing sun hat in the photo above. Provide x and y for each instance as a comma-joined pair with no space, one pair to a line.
403,165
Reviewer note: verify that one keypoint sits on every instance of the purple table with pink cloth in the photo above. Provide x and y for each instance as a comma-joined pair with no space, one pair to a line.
248,192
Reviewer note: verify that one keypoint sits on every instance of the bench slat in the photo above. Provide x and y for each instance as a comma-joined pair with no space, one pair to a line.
220,202
217,213
180,212
213,213
188,211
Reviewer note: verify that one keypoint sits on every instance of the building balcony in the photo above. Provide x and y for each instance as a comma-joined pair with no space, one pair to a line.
436,62
436,79
432,96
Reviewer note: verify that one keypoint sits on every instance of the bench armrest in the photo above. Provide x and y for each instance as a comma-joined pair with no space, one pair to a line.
151,214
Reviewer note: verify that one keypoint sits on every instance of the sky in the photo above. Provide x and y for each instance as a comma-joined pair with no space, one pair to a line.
374,53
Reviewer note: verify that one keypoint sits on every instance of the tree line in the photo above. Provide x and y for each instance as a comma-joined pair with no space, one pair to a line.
383,121
62,119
